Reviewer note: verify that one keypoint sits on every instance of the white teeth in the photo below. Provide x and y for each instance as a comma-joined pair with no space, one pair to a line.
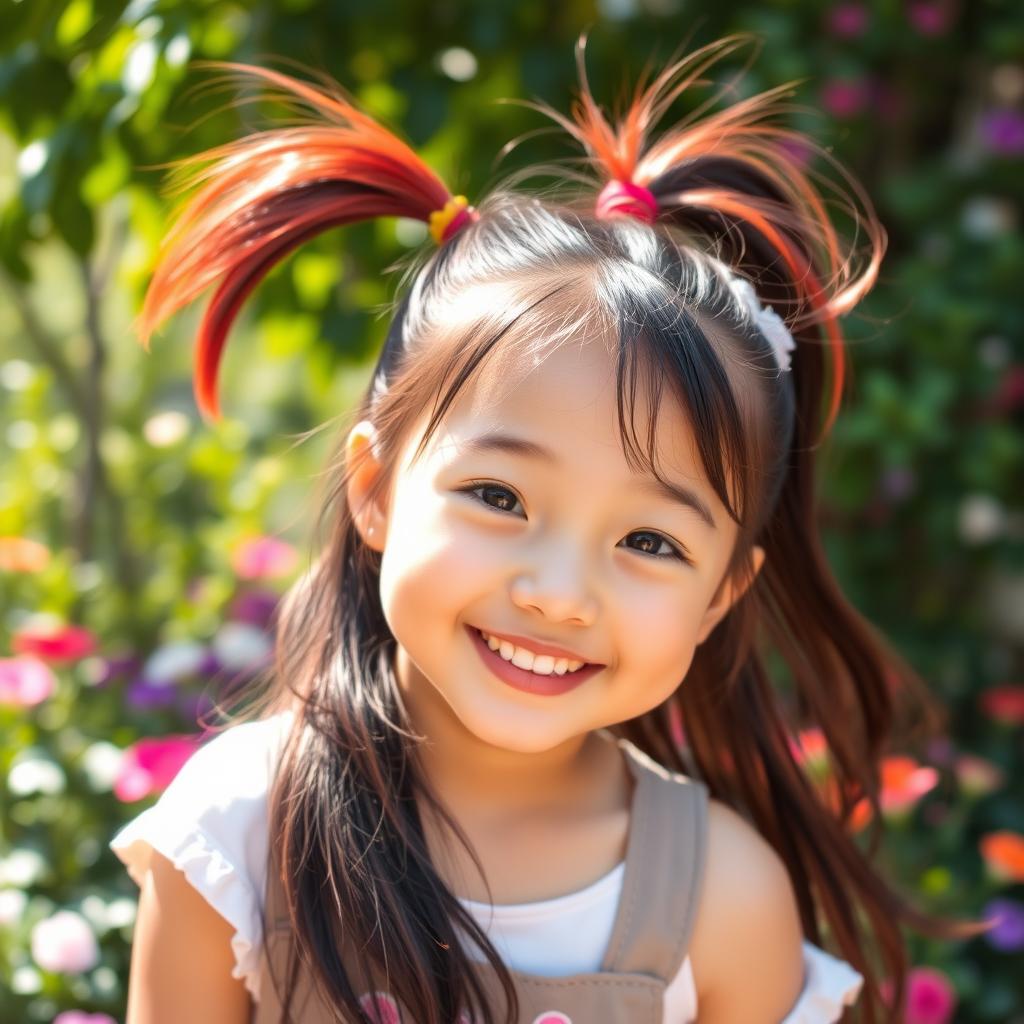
542,664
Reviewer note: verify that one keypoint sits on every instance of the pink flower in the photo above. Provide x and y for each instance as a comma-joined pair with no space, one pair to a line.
930,18
54,643
845,97
847,20
149,766
25,682
977,775
64,943
81,1017
931,998
263,557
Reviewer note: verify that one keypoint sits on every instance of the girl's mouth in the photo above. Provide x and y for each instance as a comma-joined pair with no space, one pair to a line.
525,680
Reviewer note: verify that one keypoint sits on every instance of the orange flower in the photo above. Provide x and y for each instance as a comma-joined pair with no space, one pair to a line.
1003,852
20,554
859,816
904,782
810,750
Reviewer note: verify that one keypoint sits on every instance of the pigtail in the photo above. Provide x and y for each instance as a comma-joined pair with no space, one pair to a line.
361,880
729,185
266,194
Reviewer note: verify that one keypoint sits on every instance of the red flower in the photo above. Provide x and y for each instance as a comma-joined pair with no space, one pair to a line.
1004,704
54,643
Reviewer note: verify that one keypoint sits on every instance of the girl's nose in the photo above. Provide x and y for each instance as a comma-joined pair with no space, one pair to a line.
558,585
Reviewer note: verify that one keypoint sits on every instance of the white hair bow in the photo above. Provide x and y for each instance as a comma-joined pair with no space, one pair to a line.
768,321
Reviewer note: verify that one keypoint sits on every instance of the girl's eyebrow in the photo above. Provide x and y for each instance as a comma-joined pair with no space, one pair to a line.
675,493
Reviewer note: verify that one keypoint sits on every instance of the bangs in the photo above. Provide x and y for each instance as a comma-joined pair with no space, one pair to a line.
492,337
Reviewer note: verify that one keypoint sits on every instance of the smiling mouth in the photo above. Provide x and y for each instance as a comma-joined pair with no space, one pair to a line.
550,685
579,662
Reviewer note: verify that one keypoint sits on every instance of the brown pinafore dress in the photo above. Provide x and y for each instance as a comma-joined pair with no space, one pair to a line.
650,937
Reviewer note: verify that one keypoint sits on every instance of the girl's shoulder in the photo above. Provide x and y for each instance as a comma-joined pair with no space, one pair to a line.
212,823
748,894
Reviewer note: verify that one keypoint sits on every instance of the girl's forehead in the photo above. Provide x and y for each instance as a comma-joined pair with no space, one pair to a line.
566,399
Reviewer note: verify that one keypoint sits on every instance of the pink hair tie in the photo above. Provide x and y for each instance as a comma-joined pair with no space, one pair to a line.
623,197
450,218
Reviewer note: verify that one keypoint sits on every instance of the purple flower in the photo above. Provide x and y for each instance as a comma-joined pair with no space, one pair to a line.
143,694
848,20
898,483
1002,132
117,665
1007,935
255,607
210,665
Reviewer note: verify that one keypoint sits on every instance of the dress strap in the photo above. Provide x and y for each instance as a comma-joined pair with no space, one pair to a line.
661,886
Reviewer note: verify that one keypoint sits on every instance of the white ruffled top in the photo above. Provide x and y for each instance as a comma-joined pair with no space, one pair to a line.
212,824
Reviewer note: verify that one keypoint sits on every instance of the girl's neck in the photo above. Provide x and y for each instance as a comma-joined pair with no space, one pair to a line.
485,782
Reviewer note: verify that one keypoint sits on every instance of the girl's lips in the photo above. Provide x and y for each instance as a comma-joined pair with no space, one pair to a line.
524,679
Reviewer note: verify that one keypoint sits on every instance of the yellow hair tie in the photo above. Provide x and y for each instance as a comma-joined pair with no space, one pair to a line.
441,219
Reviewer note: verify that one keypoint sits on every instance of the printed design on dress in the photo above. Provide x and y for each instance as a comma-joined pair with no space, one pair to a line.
381,1008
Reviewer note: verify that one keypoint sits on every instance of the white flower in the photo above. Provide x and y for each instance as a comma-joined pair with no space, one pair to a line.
982,518
22,868
101,762
12,906
32,773
64,942
239,645
173,661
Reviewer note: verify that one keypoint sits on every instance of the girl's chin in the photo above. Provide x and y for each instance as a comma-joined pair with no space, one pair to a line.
520,730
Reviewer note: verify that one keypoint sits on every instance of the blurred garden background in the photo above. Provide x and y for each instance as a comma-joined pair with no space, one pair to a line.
142,550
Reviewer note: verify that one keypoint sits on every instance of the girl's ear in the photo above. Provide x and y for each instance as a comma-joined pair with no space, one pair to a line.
729,592
360,454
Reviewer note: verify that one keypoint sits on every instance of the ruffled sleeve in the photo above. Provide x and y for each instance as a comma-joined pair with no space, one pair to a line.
212,823
829,985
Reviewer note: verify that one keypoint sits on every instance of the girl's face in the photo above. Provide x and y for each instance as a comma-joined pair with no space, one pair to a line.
561,545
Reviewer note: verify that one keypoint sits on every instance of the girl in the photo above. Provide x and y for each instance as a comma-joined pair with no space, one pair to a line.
520,758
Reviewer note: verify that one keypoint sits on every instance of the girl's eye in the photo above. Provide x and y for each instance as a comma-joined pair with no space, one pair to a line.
509,500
